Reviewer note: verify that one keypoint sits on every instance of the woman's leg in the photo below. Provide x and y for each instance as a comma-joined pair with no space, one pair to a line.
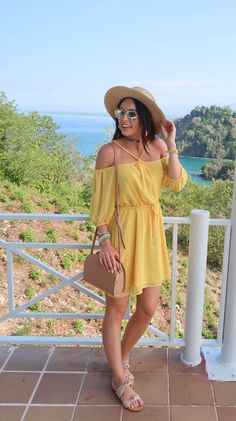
111,332
145,309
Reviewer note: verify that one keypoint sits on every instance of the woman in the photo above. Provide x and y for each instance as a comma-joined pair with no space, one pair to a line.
146,164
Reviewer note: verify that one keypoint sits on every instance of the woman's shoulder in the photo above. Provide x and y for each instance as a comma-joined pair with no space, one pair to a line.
160,146
105,157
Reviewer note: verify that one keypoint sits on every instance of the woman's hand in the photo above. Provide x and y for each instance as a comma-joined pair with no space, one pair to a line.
169,132
109,257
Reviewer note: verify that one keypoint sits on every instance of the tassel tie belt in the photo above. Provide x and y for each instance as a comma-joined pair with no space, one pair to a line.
154,208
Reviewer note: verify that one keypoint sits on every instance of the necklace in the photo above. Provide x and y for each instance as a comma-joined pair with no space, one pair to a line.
133,140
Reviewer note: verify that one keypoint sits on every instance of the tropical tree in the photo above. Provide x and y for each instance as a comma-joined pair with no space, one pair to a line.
208,132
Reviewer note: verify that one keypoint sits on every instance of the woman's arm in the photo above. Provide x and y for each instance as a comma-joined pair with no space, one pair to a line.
108,256
105,157
169,133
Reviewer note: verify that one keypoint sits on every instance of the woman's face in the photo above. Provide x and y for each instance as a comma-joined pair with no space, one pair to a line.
129,128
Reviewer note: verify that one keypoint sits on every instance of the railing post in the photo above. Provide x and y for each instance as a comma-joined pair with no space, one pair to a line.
228,354
195,289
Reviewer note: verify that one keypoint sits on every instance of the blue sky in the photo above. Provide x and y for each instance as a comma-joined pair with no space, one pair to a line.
63,55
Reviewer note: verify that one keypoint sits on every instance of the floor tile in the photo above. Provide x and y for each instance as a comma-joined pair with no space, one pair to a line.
148,360
152,388
17,387
97,390
99,413
190,389
11,413
59,413
226,414
147,414
98,361
55,388
4,354
192,395
28,358
176,366
69,359
225,393
193,413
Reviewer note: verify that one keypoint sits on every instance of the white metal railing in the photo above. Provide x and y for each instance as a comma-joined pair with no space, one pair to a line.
161,338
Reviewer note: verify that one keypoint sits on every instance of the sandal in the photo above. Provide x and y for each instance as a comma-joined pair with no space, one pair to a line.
119,390
130,376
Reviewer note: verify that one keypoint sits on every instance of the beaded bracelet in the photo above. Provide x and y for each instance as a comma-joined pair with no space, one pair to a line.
100,234
104,238
105,234
173,150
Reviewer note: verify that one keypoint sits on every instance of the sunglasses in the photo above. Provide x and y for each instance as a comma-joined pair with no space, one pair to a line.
131,114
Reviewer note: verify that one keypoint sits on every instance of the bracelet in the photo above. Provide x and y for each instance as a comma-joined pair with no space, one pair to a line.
104,238
106,234
173,150
100,234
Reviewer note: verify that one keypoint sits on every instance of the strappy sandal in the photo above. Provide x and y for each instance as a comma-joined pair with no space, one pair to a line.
130,376
119,390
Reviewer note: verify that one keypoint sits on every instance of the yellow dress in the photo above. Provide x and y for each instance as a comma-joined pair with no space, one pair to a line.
140,183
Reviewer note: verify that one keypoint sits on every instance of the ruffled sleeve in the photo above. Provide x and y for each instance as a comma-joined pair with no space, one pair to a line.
174,185
103,196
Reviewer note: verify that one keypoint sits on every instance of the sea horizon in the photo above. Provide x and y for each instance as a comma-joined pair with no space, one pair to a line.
90,131
171,116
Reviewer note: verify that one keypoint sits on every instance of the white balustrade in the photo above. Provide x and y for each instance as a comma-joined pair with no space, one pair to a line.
192,340
228,355
195,290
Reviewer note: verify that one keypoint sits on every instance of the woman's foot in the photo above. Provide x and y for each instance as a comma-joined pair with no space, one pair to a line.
129,376
128,397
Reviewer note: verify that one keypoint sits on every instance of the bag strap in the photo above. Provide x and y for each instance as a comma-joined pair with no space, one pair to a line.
117,218
120,236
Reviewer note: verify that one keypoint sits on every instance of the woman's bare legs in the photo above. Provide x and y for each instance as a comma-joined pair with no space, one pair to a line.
111,332
145,309
115,309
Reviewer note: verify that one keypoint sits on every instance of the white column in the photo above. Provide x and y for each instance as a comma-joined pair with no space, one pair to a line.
228,355
195,289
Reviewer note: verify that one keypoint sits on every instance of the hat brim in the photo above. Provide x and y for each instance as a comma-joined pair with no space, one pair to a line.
114,95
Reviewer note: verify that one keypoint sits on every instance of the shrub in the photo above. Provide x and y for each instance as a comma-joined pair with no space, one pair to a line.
30,292
3,198
69,260
52,235
63,207
217,199
28,208
37,307
46,206
78,326
53,279
35,274
28,236
87,226
25,330
19,195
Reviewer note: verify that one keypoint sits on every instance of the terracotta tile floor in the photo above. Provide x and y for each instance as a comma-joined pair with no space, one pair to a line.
73,383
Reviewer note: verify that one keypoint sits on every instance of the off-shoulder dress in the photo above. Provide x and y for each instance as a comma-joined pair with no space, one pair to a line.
140,182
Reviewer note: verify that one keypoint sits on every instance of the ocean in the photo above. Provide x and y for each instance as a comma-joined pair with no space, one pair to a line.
90,131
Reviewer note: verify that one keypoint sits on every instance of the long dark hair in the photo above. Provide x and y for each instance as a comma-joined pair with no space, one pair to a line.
148,130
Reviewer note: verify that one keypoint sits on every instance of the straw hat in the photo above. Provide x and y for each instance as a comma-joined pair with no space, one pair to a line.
114,95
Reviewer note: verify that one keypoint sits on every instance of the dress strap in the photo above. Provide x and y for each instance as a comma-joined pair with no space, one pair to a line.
126,150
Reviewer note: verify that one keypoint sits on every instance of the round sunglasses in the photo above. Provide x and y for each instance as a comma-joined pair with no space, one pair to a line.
131,114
